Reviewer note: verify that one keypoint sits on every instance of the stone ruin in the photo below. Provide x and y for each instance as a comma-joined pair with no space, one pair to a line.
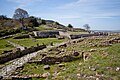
19,53
109,42
53,60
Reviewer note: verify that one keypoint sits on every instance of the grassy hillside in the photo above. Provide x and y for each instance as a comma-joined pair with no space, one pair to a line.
32,22
102,63
4,45
33,42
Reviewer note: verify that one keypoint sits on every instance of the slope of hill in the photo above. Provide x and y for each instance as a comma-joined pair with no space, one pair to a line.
10,26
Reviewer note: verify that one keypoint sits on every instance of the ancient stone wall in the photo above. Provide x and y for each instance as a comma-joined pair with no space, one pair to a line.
46,34
64,34
53,60
87,35
10,56
22,36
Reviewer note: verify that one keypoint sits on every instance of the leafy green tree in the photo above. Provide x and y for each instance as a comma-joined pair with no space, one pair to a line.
33,22
3,17
70,26
43,21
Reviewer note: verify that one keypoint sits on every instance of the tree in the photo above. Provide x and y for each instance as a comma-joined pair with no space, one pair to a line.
56,23
70,26
20,14
87,27
33,21
3,17
43,21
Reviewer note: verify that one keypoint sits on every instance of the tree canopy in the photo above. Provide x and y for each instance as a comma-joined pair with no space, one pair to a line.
70,26
20,14
3,17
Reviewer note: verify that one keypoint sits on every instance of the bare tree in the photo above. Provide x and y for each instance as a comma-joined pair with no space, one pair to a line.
20,14
87,27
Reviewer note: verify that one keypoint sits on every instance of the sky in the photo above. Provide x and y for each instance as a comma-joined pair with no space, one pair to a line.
99,14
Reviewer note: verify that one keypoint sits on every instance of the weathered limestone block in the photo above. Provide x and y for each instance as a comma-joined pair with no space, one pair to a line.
61,65
46,67
76,54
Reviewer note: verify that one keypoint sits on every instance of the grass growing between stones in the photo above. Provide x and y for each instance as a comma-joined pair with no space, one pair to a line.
103,64
79,32
32,42
44,27
4,45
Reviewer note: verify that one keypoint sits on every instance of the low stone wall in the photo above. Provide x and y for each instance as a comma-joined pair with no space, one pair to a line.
46,34
10,56
87,35
107,43
66,58
5,37
27,77
22,36
64,34
113,41
53,60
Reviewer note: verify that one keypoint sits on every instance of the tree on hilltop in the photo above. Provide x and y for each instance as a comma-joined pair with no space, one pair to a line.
70,26
3,17
87,27
33,21
20,15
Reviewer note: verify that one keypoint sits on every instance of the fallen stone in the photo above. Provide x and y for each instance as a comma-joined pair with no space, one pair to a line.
78,74
45,75
36,67
80,63
118,69
93,69
62,50
76,54
97,79
61,65
92,50
46,67
57,62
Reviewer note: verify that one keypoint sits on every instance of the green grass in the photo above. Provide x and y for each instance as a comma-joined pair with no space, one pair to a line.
32,42
44,27
70,32
110,58
102,58
4,45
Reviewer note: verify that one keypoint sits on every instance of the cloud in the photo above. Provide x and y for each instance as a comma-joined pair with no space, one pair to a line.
75,4
93,8
106,15
68,17
23,3
85,3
